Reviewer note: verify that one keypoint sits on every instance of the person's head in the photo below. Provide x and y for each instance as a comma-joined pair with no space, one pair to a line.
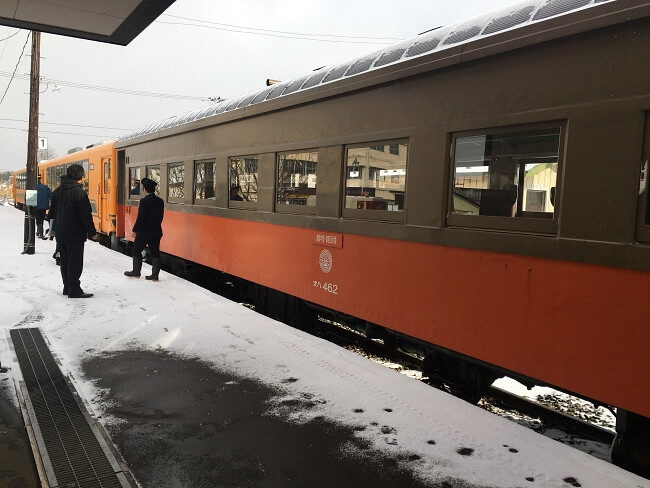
76,172
148,184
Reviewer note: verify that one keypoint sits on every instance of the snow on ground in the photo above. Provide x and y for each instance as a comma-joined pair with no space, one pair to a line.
176,316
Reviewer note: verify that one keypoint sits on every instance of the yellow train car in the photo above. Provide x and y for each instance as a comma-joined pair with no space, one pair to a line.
99,163
18,181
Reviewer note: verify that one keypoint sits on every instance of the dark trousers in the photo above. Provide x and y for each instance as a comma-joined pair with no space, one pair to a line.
153,244
72,264
40,217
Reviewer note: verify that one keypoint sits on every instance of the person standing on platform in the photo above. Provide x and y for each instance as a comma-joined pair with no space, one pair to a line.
43,197
148,230
74,224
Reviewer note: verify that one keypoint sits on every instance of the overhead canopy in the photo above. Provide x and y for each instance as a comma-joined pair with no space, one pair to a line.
115,22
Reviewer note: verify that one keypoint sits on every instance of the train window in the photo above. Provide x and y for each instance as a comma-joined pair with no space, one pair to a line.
55,173
153,173
375,179
107,175
176,182
244,172
134,182
296,181
204,182
643,212
511,174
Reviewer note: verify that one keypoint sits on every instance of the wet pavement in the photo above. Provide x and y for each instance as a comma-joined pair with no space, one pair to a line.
17,468
180,423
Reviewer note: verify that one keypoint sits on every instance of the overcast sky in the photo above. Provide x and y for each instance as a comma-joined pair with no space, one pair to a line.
200,49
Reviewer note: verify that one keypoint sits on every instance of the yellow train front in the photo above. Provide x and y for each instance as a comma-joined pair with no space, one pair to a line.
98,161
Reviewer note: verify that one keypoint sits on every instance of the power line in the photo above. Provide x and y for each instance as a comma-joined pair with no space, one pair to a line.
15,69
103,136
282,32
12,35
274,35
108,89
71,125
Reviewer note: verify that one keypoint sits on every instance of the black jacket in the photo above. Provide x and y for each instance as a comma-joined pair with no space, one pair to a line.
147,225
71,212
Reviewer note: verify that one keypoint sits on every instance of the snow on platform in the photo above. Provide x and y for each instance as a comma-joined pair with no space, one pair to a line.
432,435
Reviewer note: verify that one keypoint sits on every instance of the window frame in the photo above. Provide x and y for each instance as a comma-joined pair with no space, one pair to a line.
148,174
374,215
244,204
212,202
106,175
294,209
142,169
171,199
509,224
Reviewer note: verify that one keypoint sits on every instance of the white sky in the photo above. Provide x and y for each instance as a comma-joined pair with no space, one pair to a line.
196,61
181,318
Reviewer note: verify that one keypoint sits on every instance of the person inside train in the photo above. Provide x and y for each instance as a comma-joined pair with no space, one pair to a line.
135,189
148,230
234,193
43,197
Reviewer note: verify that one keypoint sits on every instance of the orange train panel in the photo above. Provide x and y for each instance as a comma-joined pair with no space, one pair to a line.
580,327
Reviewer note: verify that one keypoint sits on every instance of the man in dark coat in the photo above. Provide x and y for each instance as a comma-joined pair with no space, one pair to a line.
74,224
43,197
148,230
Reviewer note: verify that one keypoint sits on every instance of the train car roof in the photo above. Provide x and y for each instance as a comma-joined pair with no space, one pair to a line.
439,40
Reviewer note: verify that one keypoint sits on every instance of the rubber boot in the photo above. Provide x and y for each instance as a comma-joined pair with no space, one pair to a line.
137,266
155,269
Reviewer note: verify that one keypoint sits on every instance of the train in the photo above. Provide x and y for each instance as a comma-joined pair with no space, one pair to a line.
477,194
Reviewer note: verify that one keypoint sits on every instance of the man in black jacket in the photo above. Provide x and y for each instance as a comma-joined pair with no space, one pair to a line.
74,223
148,230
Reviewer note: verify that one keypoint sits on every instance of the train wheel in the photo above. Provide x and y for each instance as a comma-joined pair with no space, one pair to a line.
463,379
115,242
631,446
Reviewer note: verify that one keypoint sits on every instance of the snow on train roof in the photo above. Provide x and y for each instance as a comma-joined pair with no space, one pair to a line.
514,16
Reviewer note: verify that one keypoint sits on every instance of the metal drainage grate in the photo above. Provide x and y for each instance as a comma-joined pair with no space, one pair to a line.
73,451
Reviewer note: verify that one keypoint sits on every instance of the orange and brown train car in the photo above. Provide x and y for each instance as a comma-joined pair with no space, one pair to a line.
99,163
478,192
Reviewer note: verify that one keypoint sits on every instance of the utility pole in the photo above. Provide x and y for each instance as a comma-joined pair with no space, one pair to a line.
32,146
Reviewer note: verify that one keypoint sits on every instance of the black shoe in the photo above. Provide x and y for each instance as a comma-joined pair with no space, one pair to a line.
151,278
44,238
58,262
132,274
81,295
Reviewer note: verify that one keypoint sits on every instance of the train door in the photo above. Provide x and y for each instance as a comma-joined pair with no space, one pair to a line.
105,223
643,211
